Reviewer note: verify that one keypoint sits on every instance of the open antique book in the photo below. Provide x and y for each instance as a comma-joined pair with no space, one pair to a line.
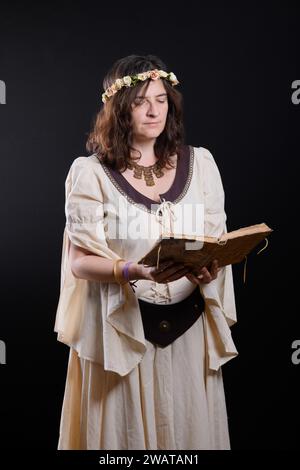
199,251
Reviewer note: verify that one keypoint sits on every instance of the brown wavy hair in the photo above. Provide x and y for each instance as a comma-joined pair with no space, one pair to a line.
111,135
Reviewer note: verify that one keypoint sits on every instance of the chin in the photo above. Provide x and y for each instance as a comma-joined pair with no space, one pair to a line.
150,134
153,132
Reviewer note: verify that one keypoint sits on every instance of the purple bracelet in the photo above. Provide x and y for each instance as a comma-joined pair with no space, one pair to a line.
125,269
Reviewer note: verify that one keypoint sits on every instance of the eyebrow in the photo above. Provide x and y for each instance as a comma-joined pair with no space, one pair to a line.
162,94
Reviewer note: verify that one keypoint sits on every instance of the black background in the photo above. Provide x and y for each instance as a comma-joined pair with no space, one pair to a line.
235,65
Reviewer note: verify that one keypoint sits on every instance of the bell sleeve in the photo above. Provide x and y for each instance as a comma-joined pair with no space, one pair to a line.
220,308
109,331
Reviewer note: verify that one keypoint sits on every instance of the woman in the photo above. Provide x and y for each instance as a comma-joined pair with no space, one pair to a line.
146,343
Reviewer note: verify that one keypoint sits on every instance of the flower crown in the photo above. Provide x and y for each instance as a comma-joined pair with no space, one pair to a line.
131,80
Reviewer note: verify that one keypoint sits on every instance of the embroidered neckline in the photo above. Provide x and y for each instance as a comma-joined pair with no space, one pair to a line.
142,206
139,195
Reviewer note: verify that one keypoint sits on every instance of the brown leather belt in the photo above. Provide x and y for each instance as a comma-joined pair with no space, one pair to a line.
163,323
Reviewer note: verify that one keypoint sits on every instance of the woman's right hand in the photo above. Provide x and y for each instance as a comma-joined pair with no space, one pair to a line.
168,271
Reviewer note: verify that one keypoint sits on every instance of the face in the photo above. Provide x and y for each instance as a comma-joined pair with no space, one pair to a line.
149,113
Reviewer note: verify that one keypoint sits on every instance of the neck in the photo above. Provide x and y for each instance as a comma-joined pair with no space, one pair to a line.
146,147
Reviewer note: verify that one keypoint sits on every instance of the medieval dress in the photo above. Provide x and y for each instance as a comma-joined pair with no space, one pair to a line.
122,391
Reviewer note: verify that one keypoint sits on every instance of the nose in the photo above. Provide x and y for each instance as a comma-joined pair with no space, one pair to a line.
152,110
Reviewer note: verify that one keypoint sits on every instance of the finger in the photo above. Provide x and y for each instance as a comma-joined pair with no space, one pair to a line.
214,270
199,273
215,264
192,278
206,277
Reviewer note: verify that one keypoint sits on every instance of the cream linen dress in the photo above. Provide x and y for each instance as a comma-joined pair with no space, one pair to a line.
121,391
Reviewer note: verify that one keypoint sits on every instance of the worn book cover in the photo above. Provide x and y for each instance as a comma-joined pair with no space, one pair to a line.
200,251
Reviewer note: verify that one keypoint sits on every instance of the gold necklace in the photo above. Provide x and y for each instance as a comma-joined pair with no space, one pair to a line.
147,171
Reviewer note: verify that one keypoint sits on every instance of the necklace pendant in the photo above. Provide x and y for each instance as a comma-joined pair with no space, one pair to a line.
158,173
137,173
149,181
147,171
148,176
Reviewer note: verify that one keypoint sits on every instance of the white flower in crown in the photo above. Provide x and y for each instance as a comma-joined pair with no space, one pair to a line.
127,80
109,92
142,76
173,78
134,79
119,83
162,73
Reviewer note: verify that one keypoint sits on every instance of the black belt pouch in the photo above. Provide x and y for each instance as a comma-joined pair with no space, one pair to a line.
163,323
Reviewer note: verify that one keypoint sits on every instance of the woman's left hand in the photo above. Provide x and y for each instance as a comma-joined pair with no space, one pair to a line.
204,274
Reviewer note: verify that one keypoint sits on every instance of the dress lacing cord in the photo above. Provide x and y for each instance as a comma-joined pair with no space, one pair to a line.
161,293
166,211
165,216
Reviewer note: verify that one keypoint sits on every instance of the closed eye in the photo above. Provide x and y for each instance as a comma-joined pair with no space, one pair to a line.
138,102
